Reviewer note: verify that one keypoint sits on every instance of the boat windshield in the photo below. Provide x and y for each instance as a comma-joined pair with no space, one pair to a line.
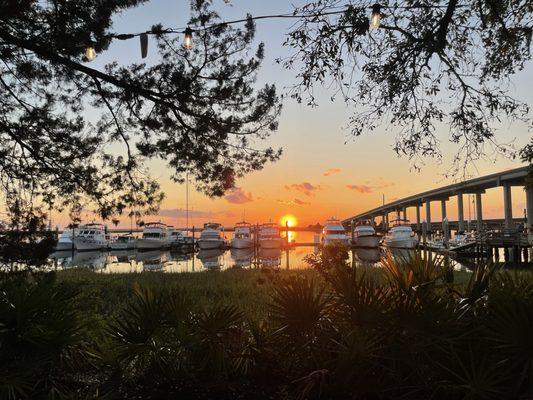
334,232
148,235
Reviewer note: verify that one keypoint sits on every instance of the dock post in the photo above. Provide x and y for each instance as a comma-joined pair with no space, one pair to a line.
479,213
460,212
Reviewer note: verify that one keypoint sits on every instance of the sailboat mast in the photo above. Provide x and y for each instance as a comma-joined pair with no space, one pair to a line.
187,203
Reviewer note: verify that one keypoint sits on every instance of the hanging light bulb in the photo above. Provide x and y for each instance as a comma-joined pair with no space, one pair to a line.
90,53
375,18
187,40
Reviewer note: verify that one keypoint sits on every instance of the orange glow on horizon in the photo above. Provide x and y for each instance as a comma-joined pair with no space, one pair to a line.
289,220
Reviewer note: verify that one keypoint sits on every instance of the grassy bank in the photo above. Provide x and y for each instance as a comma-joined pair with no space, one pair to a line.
412,329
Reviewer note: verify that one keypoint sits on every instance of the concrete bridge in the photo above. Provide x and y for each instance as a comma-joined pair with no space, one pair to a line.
477,186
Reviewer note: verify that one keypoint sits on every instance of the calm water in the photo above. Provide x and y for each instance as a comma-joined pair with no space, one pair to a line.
126,261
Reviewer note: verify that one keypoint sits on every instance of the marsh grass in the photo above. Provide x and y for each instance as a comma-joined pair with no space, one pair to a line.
412,329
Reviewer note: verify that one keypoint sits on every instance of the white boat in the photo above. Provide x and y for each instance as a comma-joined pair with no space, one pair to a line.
364,235
334,232
211,237
91,237
65,241
461,239
123,242
176,237
268,236
401,236
242,236
437,243
367,255
155,236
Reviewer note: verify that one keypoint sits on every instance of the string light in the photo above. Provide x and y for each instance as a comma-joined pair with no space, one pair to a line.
187,39
144,44
375,18
90,53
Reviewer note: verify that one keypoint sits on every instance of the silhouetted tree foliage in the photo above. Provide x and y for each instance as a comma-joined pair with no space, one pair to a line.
197,109
430,64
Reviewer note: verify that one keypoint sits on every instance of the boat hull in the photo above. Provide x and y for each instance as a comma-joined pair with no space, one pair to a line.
242,243
123,246
367,241
151,244
330,242
210,244
82,244
63,246
403,243
274,243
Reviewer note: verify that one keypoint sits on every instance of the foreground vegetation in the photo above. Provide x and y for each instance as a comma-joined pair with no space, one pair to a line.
409,330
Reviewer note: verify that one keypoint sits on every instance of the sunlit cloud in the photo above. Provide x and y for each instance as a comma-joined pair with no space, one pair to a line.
361,188
332,171
367,188
306,188
295,202
301,202
238,196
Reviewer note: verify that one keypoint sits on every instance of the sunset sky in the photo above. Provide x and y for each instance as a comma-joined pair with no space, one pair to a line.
323,172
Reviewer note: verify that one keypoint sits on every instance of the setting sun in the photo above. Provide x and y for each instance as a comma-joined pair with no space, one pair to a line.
289,220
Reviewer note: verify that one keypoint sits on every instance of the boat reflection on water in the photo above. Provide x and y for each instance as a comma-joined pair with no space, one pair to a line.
211,258
269,258
242,258
123,256
368,255
153,260
95,259
61,258
180,256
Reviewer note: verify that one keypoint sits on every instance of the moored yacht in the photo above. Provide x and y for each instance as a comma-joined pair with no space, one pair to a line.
65,240
242,236
155,236
268,236
364,235
334,232
211,236
176,237
401,235
461,239
91,237
123,242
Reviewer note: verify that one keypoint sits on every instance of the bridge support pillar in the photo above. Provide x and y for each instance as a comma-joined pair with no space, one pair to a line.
507,206
460,213
428,215
529,214
443,213
404,212
479,212
418,218
398,215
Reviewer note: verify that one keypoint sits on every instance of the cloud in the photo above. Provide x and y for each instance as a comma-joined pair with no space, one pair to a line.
238,196
295,202
301,202
361,188
367,188
306,188
332,171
